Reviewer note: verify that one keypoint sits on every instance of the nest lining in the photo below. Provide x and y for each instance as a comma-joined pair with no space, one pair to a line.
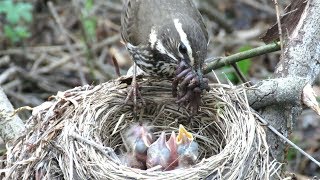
79,134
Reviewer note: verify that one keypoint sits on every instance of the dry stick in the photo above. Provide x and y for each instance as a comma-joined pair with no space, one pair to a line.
38,49
8,73
258,6
116,66
66,59
285,139
220,62
68,43
107,151
87,40
279,22
240,75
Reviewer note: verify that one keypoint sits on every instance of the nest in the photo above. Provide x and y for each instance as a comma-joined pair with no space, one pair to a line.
78,134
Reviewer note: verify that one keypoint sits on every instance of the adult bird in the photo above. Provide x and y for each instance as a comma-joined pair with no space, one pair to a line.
167,38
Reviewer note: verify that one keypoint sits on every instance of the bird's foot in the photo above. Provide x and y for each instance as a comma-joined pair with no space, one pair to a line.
190,87
134,94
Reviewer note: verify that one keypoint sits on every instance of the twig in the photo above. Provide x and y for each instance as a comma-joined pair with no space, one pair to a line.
240,74
38,49
88,41
285,139
66,59
110,153
259,6
8,73
116,66
68,43
279,22
218,63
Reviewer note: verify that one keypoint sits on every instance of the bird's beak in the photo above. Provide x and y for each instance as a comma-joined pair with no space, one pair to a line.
172,141
184,136
146,137
162,138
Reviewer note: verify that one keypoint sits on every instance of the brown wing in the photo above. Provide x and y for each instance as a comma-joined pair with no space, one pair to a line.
134,16
128,18
196,14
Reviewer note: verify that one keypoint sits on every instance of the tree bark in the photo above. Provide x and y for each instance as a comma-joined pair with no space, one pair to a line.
11,125
300,60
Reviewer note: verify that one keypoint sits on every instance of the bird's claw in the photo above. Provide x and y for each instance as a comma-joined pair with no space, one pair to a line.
190,87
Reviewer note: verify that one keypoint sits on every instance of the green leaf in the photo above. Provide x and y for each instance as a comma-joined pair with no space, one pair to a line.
10,33
16,12
90,27
13,18
230,75
245,65
22,32
88,4
16,34
24,10
4,5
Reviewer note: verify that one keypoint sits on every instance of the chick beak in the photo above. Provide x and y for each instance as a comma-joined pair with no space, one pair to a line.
184,136
146,138
172,142
173,147
158,153
188,149
162,139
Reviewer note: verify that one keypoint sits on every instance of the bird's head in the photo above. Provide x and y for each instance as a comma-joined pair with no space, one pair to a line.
143,140
138,138
180,39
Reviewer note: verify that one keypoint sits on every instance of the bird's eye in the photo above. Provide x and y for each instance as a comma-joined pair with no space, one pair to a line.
183,49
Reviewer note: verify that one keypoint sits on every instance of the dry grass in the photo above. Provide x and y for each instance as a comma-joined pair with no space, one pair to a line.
77,135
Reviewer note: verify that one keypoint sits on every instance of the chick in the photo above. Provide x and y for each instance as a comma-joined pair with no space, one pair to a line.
137,139
173,159
158,153
188,149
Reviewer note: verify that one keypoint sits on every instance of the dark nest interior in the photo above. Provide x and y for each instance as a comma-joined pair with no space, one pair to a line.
78,134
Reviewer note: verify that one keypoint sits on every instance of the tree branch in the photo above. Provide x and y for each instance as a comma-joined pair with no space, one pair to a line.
278,92
220,62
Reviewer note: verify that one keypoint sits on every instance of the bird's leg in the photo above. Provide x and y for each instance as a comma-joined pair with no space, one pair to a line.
205,84
134,90
195,100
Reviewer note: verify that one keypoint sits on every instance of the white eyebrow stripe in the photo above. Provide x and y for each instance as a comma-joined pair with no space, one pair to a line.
163,50
184,39
153,37
155,44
